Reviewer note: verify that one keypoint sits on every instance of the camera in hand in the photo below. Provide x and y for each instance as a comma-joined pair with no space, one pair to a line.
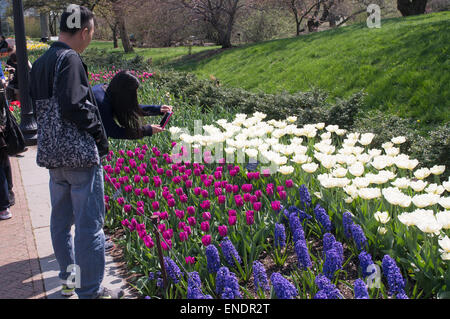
165,119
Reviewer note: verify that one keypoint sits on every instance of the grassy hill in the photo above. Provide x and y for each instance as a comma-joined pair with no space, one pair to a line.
404,66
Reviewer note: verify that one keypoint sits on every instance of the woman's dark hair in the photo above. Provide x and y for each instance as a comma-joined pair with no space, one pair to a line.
13,58
122,94
86,16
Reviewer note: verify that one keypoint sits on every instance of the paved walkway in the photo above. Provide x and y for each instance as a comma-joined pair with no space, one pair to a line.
28,268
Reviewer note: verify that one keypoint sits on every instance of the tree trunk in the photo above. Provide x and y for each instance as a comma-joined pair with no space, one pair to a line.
120,19
411,7
44,25
114,31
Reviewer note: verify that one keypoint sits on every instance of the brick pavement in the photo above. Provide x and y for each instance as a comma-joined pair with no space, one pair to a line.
20,273
28,267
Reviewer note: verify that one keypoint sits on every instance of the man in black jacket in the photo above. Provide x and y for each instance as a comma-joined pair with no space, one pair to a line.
66,109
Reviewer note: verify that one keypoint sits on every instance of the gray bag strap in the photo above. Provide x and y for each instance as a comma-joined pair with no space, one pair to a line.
57,67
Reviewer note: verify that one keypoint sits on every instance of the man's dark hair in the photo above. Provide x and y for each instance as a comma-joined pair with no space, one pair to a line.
86,16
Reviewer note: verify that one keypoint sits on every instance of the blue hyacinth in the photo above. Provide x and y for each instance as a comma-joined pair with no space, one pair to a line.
304,260
300,213
332,263
227,279
327,288
365,260
282,287
359,237
296,228
212,259
328,241
322,217
280,236
194,290
321,294
360,289
260,276
395,281
347,222
305,198
401,295
173,272
229,251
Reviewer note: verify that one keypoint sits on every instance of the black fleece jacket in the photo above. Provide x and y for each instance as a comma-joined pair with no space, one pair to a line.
73,91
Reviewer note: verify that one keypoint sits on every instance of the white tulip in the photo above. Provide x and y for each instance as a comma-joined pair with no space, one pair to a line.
297,141
392,151
310,167
444,243
430,226
320,126
339,172
230,150
425,200
435,189
325,136
369,193
379,162
374,152
286,170
418,186
292,119
363,158
445,202
401,183
300,159
422,173
348,200
332,128
366,138
381,230
443,218
357,169
328,161
354,136
387,145
361,182
382,217
437,169
446,185
340,132
412,164
398,140
251,152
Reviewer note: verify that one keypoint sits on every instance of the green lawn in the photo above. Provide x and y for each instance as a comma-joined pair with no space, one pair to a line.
404,66
159,56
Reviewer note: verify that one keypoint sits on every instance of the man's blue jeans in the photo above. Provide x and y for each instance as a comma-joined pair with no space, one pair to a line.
77,197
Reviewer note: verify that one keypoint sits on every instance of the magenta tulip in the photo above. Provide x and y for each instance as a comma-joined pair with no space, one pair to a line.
192,221
232,220
206,240
191,210
206,215
204,226
223,230
183,236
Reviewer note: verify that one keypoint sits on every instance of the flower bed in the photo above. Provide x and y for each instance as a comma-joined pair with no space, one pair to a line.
320,214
